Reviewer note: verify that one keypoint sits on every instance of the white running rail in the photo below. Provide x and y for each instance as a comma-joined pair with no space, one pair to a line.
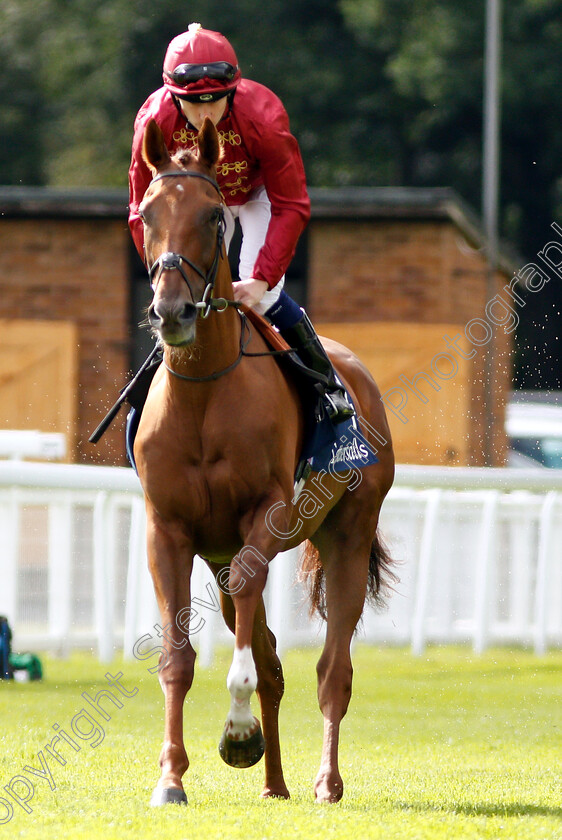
479,556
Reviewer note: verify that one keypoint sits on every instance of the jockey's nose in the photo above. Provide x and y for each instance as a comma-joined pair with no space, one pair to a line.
204,112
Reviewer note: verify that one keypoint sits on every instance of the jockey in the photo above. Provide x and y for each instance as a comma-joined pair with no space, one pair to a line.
260,174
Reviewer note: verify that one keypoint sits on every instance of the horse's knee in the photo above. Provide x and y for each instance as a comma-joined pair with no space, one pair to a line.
272,640
176,667
248,574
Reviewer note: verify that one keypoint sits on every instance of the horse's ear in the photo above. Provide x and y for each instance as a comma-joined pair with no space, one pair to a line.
208,143
154,150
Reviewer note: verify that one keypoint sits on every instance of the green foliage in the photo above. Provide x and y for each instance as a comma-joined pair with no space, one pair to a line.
432,59
379,92
21,103
444,747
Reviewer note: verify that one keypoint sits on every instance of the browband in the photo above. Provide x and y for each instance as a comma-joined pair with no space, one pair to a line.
182,173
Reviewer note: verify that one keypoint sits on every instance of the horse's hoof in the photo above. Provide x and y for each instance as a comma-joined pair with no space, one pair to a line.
242,753
165,796
328,790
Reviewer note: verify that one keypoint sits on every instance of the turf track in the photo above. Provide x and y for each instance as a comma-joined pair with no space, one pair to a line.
448,745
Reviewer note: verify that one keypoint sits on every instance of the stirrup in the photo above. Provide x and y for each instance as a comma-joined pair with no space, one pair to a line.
337,406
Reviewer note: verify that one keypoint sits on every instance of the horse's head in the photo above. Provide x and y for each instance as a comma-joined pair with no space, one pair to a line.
183,227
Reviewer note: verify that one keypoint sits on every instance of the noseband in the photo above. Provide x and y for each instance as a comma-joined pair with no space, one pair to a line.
170,260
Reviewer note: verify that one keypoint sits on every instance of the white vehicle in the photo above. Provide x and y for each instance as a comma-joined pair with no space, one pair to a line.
534,428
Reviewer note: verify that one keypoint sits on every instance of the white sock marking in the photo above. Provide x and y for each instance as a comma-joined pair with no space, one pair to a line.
241,682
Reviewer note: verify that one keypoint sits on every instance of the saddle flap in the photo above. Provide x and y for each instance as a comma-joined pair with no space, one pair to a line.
273,338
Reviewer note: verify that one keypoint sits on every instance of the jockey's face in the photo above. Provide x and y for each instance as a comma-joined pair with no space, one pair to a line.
196,112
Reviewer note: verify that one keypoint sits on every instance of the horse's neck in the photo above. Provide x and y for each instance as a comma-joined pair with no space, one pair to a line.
223,283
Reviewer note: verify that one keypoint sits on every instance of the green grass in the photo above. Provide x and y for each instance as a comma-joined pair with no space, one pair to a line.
449,745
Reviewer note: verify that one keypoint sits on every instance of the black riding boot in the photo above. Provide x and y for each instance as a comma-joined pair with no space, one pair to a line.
303,339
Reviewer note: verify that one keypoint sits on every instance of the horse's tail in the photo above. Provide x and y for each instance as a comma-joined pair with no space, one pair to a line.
380,582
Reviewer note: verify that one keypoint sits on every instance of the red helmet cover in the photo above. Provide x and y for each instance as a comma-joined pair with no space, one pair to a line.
199,46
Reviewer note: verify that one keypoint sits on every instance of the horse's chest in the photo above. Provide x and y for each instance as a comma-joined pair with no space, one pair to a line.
213,498
215,502
210,477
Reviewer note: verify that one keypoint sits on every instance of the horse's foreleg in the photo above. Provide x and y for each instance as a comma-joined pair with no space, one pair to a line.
170,562
346,583
242,743
269,689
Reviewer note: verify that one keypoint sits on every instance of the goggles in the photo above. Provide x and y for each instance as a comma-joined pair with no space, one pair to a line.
186,74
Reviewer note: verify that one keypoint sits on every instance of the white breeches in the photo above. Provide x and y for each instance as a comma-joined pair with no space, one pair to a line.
254,219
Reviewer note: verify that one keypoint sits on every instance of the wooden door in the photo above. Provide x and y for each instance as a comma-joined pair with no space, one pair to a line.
39,377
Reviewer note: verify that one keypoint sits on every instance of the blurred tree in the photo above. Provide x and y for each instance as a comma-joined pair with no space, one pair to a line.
21,100
432,61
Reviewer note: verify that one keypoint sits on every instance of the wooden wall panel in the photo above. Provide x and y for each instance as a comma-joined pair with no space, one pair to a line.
39,377
425,385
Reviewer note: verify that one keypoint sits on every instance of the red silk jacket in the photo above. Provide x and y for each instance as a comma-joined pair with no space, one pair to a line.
257,149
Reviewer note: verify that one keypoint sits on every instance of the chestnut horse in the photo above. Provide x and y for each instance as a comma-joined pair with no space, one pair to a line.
216,451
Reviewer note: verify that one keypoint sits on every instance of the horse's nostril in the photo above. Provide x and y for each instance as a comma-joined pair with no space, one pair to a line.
188,312
153,316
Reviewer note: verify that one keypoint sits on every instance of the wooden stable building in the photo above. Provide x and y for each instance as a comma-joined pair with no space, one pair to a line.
397,274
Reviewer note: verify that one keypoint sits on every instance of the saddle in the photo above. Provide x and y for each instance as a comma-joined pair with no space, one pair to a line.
326,447
273,339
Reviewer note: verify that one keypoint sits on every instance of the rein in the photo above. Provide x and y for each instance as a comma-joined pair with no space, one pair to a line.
218,373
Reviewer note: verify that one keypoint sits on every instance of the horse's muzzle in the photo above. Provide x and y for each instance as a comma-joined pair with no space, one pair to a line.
175,325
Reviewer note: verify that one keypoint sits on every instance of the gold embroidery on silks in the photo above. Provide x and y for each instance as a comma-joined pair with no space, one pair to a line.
185,136
188,137
238,166
236,186
232,138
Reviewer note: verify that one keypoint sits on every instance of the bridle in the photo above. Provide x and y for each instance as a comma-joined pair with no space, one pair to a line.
171,260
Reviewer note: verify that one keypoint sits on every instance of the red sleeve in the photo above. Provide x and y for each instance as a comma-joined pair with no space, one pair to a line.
139,179
284,179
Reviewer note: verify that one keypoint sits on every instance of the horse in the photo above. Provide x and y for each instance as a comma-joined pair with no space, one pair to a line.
216,450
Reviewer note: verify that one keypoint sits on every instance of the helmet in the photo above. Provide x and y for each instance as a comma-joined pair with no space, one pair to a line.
200,65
